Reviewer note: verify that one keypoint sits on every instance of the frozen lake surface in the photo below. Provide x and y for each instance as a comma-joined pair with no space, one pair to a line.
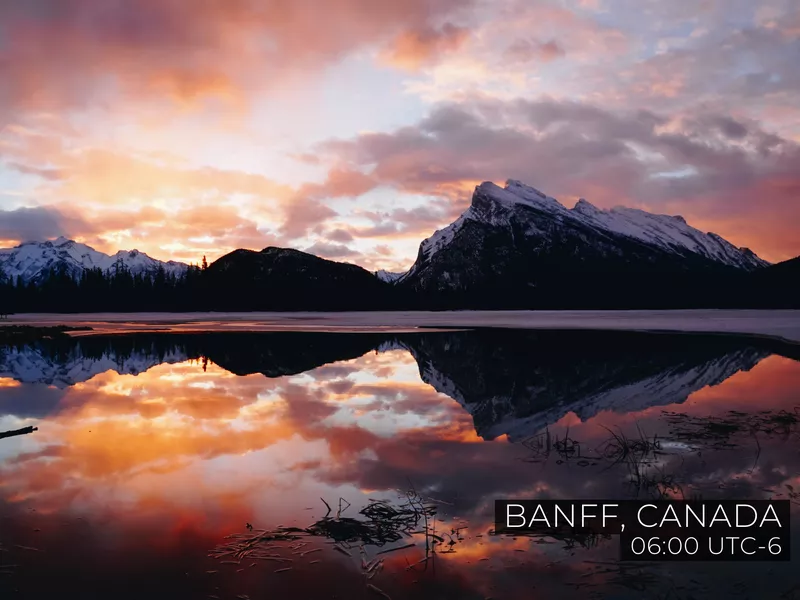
783,324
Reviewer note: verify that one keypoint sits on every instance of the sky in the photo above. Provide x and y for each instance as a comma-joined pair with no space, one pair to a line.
354,129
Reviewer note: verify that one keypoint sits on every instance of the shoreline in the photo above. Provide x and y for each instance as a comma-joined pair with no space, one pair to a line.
781,325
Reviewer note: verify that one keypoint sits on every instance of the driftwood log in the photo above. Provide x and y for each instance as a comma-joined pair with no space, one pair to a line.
23,431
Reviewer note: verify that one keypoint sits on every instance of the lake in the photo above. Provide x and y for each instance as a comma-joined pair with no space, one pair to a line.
365,465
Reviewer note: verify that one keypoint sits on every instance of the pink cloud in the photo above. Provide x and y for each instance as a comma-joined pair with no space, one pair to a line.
524,51
73,53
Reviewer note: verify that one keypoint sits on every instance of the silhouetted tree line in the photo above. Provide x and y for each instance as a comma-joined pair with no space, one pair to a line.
197,289
96,291
208,289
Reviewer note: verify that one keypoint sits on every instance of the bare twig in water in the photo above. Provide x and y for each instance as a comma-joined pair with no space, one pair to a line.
327,505
398,548
379,523
342,550
378,591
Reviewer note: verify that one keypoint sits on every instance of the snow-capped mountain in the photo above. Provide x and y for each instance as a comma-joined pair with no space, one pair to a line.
32,260
517,237
388,276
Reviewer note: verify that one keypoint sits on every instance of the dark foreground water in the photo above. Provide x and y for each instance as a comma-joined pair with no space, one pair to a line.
151,449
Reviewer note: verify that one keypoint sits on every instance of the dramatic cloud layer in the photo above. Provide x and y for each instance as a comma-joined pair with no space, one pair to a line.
63,53
354,128
704,165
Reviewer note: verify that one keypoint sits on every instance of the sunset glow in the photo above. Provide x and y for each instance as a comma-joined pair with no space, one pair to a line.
355,128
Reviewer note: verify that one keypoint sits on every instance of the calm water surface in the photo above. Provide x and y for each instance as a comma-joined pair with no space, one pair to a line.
152,448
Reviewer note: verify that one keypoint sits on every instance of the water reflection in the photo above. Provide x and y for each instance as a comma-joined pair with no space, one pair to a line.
151,448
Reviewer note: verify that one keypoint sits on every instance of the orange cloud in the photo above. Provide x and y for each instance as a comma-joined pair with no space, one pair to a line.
412,49
183,212
189,86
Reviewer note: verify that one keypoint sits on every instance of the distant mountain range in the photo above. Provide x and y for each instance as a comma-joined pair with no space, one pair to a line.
32,261
514,247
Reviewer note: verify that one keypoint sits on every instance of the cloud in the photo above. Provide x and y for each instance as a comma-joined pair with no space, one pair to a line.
304,209
151,200
83,169
510,47
182,234
526,51
301,215
39,223
43,172
415,48
339,235
339,183
707,164
745,69
75,53
413,222
330,250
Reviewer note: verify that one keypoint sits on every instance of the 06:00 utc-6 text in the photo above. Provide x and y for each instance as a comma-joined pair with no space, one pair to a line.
690,545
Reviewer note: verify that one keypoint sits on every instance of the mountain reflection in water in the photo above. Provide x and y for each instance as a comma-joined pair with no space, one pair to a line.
151,448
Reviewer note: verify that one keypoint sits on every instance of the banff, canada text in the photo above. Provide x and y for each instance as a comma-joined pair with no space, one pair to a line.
689,530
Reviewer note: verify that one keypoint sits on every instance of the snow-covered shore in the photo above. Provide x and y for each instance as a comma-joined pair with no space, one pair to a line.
783,324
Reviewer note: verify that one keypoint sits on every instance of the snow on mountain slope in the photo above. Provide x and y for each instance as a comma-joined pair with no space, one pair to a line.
669,233
496,206
29,261
388,276
526,194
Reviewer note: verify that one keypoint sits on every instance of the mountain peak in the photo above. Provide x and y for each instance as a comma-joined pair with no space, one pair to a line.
515,193
530,195
521,223
585,207
515,186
